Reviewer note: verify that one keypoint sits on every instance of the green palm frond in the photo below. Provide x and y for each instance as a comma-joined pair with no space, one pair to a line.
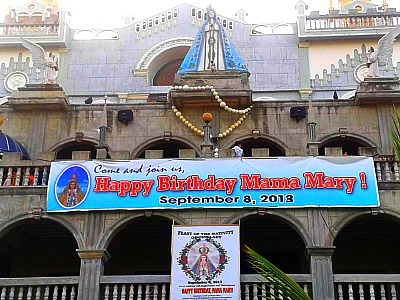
281,282
395,132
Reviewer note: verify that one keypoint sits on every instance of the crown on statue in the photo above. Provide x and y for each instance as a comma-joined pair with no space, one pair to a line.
204,250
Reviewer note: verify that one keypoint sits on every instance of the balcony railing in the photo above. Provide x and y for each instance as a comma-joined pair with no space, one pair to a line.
365,286
28,30
351,21
135,287
37,288
157,287
11,176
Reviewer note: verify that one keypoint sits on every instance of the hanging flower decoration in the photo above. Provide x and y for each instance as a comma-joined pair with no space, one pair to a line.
243,112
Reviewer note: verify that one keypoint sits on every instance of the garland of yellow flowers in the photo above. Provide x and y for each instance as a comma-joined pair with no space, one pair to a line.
222,104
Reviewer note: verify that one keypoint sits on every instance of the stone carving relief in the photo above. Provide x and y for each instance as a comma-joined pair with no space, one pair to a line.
15,80
153,52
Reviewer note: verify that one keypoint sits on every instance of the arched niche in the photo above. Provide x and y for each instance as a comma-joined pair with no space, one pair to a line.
162,54
261,30
84,35
276,148
349,143
170,147
283,29
368,244
107,35
65,147
141,247
38,248
165,76
277,240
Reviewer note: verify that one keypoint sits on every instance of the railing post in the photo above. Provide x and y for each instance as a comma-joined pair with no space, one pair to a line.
92,268
321,272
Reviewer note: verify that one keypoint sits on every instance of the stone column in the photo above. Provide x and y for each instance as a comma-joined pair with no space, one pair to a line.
321,272
92,268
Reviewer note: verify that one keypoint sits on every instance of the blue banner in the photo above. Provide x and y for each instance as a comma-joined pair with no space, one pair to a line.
212,183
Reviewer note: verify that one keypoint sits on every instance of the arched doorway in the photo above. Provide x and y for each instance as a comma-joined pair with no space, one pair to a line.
368,247
348,144
142,248
251,143
38,248
170,148
65,152
274,239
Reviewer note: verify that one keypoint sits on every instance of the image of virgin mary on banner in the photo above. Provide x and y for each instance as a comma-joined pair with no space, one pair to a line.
205,262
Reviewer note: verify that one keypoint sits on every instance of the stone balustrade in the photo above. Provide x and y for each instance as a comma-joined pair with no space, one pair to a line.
29,30
351,21
347,286
365,286
35,288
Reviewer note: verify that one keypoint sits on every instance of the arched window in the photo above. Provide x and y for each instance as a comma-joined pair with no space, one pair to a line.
170,148
84,35
261,143
277,241
107,34
42,244
149,258
261,30
66,150
283,29
350,145
360,244
137,28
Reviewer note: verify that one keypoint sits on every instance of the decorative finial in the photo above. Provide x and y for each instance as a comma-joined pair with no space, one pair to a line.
207,117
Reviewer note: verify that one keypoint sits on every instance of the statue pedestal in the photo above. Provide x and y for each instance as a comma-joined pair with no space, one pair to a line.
232,87
374,90
39,97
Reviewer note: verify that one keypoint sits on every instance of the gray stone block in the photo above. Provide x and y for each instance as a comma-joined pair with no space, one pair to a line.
260,152
367,151
154,154
226,153
123,155
187,153
101,154
333,151
11,157
80,155
46,156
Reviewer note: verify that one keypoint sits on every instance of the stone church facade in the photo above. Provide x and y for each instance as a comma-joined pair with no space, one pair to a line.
139,92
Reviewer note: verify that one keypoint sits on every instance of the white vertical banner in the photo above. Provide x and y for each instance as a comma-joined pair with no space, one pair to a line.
205,262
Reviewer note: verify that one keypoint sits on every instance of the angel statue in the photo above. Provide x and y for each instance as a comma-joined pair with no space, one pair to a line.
41,61
379,58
